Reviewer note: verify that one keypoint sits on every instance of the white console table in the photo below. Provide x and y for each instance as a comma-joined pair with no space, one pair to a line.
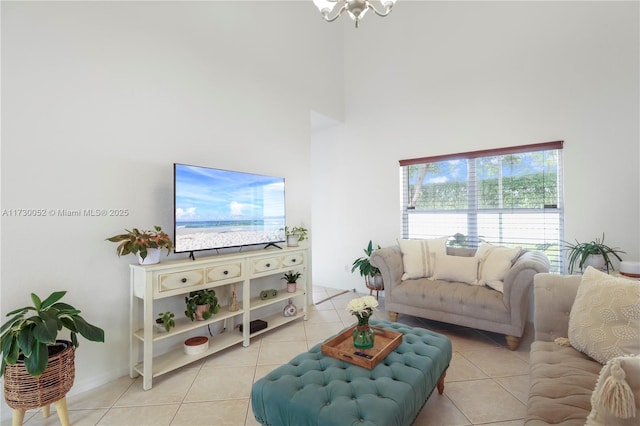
179,277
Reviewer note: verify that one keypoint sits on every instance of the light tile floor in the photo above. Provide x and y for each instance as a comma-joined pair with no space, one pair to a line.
486,384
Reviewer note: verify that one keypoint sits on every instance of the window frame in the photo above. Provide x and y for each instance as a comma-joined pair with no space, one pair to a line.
473,211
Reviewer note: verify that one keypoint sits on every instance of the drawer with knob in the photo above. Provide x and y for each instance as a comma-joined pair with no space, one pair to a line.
293,260
266,264
180,280
223,272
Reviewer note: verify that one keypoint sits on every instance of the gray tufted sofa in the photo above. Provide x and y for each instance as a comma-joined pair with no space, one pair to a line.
457,303
317,390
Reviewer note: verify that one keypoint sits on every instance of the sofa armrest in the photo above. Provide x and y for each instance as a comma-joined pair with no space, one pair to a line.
553,297
519,279
389,261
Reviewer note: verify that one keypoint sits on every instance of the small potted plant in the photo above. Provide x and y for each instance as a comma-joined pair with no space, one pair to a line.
292,278
39,368
295,235
595,253
371,274
201,305
165,322
146,244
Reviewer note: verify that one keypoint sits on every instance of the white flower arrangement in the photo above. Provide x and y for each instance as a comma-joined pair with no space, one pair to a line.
362,307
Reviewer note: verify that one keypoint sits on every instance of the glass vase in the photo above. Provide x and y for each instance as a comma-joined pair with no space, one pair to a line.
363,335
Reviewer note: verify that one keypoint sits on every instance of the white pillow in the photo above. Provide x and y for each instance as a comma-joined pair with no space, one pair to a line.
604,321
417,256
495,263
456,268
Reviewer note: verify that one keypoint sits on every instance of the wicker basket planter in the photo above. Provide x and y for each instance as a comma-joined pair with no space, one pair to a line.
23,391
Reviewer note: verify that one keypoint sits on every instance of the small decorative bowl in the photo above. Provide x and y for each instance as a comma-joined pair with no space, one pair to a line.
196,345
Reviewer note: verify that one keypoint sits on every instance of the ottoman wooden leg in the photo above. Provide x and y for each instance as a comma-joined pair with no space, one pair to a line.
393,316
441,383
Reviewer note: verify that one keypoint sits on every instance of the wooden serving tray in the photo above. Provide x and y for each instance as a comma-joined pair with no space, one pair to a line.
341,347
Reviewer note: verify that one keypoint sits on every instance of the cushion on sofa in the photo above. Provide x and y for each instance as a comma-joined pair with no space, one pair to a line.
418,256
495,263
453,298
561,382
616,398
456,268
604,321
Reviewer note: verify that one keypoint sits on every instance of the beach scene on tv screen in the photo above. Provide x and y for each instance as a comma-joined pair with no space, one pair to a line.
220,208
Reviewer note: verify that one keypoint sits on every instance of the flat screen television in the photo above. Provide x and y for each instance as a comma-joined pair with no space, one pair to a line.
215,208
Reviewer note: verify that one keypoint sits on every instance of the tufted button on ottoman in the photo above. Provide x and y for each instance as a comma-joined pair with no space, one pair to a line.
315,389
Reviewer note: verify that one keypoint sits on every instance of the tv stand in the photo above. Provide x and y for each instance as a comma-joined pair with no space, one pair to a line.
191,256
244,274
272,245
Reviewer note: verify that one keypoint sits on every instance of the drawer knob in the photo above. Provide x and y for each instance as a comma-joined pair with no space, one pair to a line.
184,280
293,260
268,265
226,272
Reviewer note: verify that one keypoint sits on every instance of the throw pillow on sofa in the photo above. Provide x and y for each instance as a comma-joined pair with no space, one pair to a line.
495,263
604,321
456,268
418,256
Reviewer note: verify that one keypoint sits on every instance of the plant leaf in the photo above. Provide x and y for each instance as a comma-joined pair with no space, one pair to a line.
37,362
46,329
36,301
53,298
10,350
88,331
10,322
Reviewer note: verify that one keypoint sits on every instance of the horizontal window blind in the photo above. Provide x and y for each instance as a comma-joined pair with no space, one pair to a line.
509,196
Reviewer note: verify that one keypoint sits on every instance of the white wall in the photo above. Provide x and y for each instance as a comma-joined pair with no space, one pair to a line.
100,98
445,77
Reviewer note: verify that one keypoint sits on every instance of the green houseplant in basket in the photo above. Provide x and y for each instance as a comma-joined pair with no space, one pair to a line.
38,368
371,274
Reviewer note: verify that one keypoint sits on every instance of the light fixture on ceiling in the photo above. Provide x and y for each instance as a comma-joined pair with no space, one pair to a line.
332,9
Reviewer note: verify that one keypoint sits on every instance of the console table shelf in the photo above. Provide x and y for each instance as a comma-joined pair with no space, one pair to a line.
247,273
176,358
185,324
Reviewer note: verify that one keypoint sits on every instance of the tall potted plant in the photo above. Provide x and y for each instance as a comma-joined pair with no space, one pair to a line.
147,244
594,253
371,274
38,368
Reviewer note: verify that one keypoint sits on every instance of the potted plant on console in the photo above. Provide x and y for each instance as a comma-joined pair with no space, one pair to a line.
165,321
201,305
295,235
38,368
292,278
371,274
147,244
595,253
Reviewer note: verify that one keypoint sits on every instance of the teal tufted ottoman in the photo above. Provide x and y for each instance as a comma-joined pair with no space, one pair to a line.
315,389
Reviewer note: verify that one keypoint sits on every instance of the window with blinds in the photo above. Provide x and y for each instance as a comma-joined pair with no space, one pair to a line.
507,196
